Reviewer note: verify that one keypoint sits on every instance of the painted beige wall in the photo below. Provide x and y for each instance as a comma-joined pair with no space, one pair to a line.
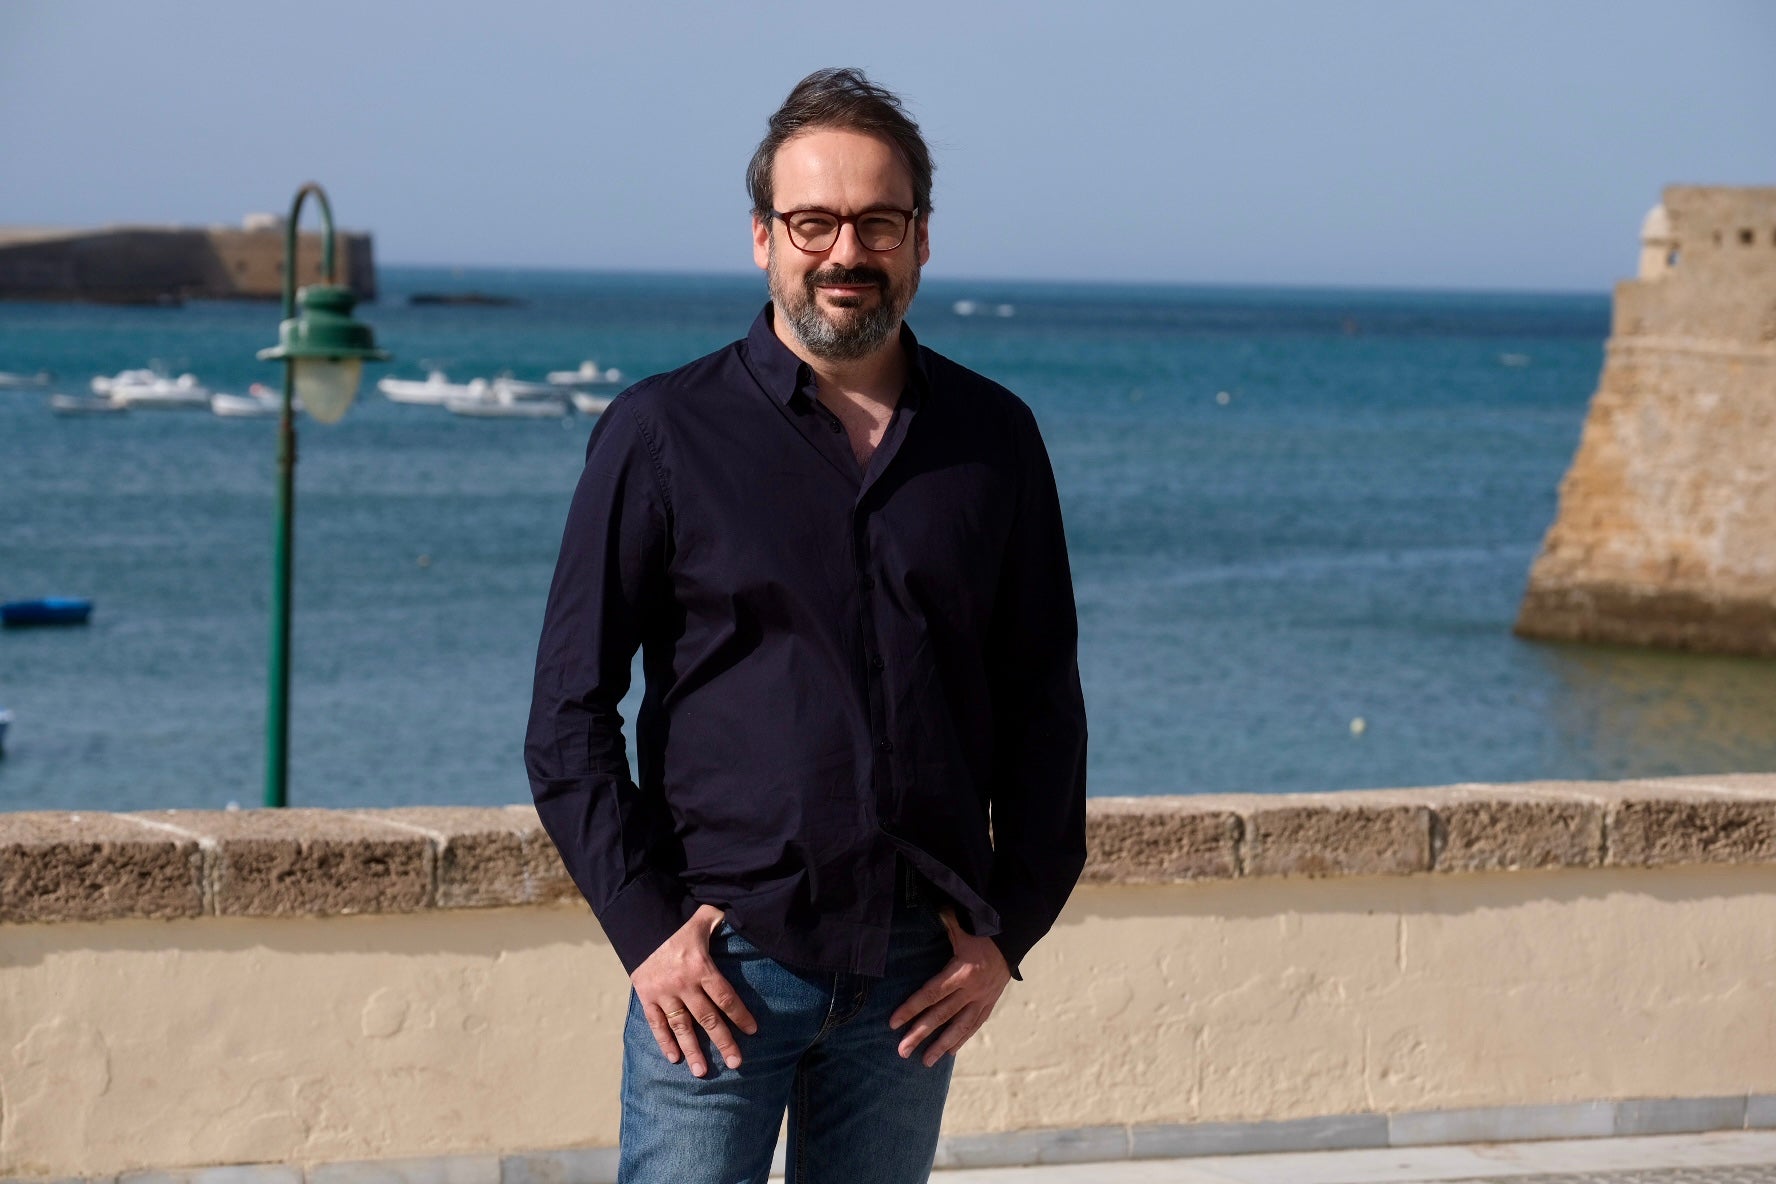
217,1039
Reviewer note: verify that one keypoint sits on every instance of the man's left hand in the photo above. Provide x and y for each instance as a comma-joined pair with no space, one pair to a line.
958,999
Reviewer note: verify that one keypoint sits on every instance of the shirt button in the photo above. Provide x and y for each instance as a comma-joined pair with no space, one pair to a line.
833,425
876,662
885,745
868,582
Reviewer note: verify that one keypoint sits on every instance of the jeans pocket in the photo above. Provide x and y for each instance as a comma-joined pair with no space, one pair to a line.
726,941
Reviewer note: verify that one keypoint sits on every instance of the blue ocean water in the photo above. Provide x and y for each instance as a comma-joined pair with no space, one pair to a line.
1287,510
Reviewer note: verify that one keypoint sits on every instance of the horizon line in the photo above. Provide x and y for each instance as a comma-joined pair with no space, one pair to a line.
1249,285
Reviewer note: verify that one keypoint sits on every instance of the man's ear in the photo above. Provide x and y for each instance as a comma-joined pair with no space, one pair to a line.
761,242
922,236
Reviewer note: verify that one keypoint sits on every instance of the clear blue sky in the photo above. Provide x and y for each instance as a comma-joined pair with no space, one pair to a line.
1492,145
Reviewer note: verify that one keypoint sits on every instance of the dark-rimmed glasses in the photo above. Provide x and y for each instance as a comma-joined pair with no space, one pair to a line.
815,231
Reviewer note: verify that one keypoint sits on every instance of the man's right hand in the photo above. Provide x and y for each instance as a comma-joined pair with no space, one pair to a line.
681,991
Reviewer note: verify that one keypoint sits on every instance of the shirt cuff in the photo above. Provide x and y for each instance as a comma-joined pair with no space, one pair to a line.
1013,951
639,919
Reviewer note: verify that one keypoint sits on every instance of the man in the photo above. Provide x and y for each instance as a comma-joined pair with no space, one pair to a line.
862,743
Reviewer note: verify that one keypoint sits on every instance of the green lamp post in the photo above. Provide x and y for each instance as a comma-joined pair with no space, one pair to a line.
323,351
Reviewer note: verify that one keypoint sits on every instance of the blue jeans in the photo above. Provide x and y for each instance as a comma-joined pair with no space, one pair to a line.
858,1113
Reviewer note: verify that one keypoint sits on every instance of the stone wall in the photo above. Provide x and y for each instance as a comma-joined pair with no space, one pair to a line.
422,987
1666,533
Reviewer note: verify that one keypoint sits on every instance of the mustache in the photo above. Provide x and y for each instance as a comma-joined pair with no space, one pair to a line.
835,274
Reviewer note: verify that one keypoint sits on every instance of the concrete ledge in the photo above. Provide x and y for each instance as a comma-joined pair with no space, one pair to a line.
182,863
1097,1144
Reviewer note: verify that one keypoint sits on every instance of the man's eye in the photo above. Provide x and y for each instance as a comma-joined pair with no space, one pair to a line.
813,224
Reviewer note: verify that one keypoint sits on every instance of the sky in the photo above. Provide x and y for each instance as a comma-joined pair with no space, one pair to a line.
1501,145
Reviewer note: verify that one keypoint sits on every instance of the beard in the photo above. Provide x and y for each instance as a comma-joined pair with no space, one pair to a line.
849,331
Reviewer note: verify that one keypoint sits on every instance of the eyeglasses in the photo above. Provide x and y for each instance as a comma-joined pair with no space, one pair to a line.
815,231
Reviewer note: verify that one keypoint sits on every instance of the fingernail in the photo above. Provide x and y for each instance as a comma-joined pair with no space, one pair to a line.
733,1062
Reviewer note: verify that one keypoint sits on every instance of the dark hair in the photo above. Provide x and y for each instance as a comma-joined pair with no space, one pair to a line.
839,98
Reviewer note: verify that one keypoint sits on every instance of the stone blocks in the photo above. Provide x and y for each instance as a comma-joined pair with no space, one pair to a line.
1161,840
262,863
1339,834
485,857
93,867
186,863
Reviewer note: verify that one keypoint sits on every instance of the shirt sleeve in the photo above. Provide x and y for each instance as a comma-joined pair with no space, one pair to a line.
1039,734
609,583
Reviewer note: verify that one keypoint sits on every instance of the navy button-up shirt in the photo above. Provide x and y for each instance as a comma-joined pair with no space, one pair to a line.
846,666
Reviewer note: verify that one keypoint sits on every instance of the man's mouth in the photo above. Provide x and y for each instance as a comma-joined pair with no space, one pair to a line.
849,282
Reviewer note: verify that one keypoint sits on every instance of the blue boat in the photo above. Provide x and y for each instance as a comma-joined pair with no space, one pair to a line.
48,610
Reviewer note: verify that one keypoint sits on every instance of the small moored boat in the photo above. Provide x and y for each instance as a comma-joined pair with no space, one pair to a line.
156,391
588,404
433,391
507,387
484,407
86,405
587,375
46,610
259,401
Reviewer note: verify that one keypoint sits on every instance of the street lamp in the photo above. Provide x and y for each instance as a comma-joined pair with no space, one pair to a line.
323,351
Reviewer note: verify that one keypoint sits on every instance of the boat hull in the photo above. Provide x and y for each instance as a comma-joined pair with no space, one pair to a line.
519,409
50,610
86,405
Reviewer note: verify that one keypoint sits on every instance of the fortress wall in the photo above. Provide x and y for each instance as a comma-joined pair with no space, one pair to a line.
1666,532
147,264
312,987
252,262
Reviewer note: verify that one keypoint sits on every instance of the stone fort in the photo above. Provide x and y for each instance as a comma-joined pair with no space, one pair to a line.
170,264
1666,532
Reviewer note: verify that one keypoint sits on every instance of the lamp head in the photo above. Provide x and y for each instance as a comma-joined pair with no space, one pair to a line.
326,350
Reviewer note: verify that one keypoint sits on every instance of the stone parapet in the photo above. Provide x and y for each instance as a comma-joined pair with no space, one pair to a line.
161,864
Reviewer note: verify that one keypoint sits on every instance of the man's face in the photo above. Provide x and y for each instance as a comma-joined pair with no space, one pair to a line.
847,301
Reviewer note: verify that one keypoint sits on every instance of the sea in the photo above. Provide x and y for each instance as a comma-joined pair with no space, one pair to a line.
1300,523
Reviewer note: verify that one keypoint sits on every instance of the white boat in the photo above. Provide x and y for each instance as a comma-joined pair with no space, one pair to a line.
507,387
86,405
435,391
103,384
587,375
260,400
160,392
13,382
588,404
486,406
5,720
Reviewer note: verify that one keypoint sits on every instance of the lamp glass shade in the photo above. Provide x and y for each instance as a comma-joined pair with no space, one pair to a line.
327,386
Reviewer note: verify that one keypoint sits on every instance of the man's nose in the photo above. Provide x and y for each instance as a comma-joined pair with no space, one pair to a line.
847,250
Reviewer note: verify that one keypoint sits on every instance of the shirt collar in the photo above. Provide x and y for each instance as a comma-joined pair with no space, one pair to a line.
783,375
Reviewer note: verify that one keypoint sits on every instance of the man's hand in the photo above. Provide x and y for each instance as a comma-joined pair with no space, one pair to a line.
958,999
681,991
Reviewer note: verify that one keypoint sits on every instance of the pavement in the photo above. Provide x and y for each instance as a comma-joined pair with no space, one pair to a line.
1723,1157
